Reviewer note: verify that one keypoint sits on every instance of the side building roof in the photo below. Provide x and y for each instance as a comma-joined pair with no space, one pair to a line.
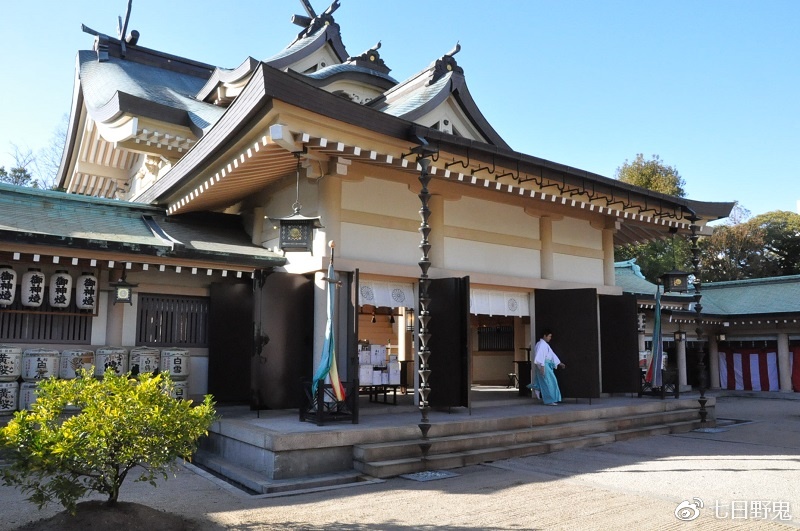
760,296
57,219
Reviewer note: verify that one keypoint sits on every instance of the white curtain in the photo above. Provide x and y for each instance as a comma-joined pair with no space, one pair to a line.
386,294
490,302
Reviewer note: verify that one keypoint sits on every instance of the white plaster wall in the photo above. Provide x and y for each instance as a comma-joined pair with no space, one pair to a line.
361,242
480,257
471,213
578,269
577,232
375,196
450,110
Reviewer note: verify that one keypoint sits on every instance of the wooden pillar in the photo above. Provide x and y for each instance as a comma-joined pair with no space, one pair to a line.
784,363
609,275
713,362
546,254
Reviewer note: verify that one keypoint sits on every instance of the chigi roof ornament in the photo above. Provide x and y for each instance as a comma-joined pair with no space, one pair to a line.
313,22
101,39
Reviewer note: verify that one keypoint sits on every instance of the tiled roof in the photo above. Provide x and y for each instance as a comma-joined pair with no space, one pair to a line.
101,81
42,212
331,70
737,297
296,46
86,222
754,296
413,99
629,277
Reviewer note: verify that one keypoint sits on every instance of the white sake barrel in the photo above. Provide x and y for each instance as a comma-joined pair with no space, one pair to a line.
27,395
175,362
9,396
39,363
145,359
10,363
114,358
74,359
180,389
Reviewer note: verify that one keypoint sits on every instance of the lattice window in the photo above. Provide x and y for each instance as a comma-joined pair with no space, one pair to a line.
21,324
500,337
168,320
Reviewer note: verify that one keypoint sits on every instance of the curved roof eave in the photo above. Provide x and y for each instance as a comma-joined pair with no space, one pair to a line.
457,87
268,83
357,74
223,75
73,132
489,154
298,49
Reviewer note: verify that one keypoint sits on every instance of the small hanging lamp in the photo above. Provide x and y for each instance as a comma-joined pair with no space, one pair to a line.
296,232
123,290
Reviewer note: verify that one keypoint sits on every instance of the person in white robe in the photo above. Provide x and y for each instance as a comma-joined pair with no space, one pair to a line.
545,361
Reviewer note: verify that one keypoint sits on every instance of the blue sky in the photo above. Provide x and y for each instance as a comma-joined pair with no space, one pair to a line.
709,86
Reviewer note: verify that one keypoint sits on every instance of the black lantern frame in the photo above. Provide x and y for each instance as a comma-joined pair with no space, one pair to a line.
675,281
123,290
296,232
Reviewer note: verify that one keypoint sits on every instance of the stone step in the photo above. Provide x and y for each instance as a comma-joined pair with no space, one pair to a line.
386,451
409,465
257,483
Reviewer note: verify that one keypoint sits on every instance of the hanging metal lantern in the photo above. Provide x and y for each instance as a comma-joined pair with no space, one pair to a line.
675,281
60,289
86,291
296,232
8,285
32,288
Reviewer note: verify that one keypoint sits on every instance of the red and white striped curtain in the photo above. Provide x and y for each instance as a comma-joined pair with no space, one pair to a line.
749,370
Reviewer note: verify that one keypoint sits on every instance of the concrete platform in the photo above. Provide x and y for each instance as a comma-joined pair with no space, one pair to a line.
273,451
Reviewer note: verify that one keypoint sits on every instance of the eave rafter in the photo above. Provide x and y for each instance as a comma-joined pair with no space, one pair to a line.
269,159
110,152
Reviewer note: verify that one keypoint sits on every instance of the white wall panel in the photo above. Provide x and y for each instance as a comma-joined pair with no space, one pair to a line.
476,214
578,232
361,242
479,257
380,197
578,269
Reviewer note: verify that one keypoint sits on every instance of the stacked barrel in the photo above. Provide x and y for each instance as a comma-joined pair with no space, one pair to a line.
34,365
175,362
10,371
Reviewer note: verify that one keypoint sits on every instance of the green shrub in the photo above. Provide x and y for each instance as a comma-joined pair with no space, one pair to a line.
87,434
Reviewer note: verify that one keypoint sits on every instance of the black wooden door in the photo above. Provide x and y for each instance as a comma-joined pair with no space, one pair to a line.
572,316
619,344
230,342
283,338
449,342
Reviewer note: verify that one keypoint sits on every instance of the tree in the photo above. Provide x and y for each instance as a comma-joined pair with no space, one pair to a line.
119,423
767,245
48,160
652,174
781,231
734,252
19,174
657,257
